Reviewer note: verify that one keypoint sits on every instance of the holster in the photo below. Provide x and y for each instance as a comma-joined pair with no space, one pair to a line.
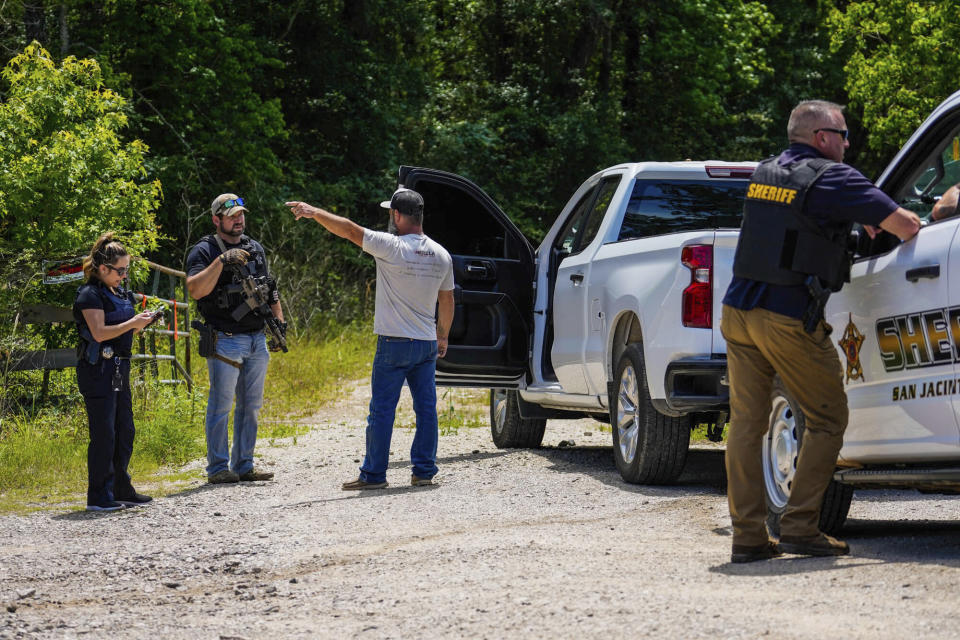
818,302
208,339
88,349
208,343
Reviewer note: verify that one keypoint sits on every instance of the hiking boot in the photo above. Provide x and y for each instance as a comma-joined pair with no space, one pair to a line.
133,499
818,545
106,506
420,482
255,474
752,553
223,477
358,484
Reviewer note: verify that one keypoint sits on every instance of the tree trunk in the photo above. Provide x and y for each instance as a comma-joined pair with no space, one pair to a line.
35,21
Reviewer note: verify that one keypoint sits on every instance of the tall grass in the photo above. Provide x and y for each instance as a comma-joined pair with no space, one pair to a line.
43,445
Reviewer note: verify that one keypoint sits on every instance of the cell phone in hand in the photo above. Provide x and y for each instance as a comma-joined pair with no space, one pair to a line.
156,316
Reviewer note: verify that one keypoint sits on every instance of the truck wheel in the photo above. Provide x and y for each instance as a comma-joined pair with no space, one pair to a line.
648,447
781,447
508,429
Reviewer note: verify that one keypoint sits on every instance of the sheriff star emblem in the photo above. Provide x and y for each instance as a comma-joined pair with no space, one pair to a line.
851,342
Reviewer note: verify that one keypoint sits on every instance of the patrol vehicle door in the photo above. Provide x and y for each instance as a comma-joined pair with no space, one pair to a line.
897,323
890,327
493,271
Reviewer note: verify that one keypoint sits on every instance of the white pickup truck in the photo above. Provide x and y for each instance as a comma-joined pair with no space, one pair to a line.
616,315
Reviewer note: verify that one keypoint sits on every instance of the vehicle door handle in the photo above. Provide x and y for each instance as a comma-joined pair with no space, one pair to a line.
576,278
478,269
931,272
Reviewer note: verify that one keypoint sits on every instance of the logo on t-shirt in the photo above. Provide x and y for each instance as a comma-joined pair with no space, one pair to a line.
425,252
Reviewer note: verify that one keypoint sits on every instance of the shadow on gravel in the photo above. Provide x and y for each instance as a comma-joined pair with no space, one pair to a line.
368,493
790,565
922,541
83,515
211,487
872,542
400,463
704,469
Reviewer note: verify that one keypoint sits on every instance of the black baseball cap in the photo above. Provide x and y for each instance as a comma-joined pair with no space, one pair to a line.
406,201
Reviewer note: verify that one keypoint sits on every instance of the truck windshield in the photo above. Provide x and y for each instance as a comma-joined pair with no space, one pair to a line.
659,207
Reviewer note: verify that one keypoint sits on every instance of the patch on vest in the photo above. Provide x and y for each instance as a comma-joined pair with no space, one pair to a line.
770,193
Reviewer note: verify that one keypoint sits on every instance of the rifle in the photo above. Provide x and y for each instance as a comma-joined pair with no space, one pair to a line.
818,301
256,293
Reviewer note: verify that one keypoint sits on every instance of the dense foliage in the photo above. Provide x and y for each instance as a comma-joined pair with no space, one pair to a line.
67,173
322,100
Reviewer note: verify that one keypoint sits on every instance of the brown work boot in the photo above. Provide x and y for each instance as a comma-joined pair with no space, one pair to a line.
224,476
417,481
255,475
818,545
358,484
752,553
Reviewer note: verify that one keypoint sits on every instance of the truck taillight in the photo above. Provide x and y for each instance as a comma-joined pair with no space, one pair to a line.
698,297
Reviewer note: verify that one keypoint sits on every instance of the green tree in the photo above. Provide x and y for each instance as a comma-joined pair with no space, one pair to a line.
68,174
902,59
196,76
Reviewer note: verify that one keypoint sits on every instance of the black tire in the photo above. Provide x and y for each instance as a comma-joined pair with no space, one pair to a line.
648,447
781,446
508,429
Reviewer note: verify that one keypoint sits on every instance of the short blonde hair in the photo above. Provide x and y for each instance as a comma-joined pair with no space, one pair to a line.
807,116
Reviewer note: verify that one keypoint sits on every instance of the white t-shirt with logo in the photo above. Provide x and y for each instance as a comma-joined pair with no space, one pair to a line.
411,269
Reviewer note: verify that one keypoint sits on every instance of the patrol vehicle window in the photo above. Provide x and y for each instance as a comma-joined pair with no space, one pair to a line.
660,207
940,172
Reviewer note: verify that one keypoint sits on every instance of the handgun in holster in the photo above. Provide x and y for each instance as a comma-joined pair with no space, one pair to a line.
813,314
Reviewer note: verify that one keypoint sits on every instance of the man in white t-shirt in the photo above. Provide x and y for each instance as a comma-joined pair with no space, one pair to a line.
414,277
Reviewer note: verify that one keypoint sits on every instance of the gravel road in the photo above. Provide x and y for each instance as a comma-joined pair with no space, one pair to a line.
539,543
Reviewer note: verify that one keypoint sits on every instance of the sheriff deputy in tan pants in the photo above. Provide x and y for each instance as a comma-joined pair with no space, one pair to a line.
799,210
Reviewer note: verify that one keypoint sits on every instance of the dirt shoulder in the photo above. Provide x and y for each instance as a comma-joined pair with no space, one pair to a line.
536,543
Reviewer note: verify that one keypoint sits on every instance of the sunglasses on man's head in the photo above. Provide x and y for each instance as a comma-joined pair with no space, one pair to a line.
229,204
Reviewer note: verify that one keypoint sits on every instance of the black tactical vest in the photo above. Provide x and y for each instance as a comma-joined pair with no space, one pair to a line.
778,243
218,306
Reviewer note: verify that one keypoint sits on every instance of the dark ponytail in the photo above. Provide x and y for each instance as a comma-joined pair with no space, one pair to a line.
105,250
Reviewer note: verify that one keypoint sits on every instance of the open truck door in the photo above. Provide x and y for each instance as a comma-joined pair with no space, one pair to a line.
493,271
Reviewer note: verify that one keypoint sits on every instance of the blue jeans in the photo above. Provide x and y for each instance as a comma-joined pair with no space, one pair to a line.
415,361
246,383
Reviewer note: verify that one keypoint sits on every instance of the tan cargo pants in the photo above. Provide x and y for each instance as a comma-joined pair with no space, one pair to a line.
761,343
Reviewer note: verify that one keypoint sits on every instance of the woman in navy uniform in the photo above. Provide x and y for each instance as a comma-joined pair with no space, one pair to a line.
106,322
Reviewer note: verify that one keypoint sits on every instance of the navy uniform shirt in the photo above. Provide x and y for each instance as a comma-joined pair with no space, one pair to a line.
117,307
841,193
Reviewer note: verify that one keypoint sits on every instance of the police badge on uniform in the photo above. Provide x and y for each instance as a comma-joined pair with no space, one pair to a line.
851,342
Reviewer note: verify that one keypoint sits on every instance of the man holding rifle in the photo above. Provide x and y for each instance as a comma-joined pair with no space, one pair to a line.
792,252
227,275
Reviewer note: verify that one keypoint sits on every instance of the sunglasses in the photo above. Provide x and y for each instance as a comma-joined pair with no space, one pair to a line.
843,132
230,204
121,271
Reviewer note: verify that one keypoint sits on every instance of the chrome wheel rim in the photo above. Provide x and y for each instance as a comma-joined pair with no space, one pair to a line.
628,401
780,451
499,409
